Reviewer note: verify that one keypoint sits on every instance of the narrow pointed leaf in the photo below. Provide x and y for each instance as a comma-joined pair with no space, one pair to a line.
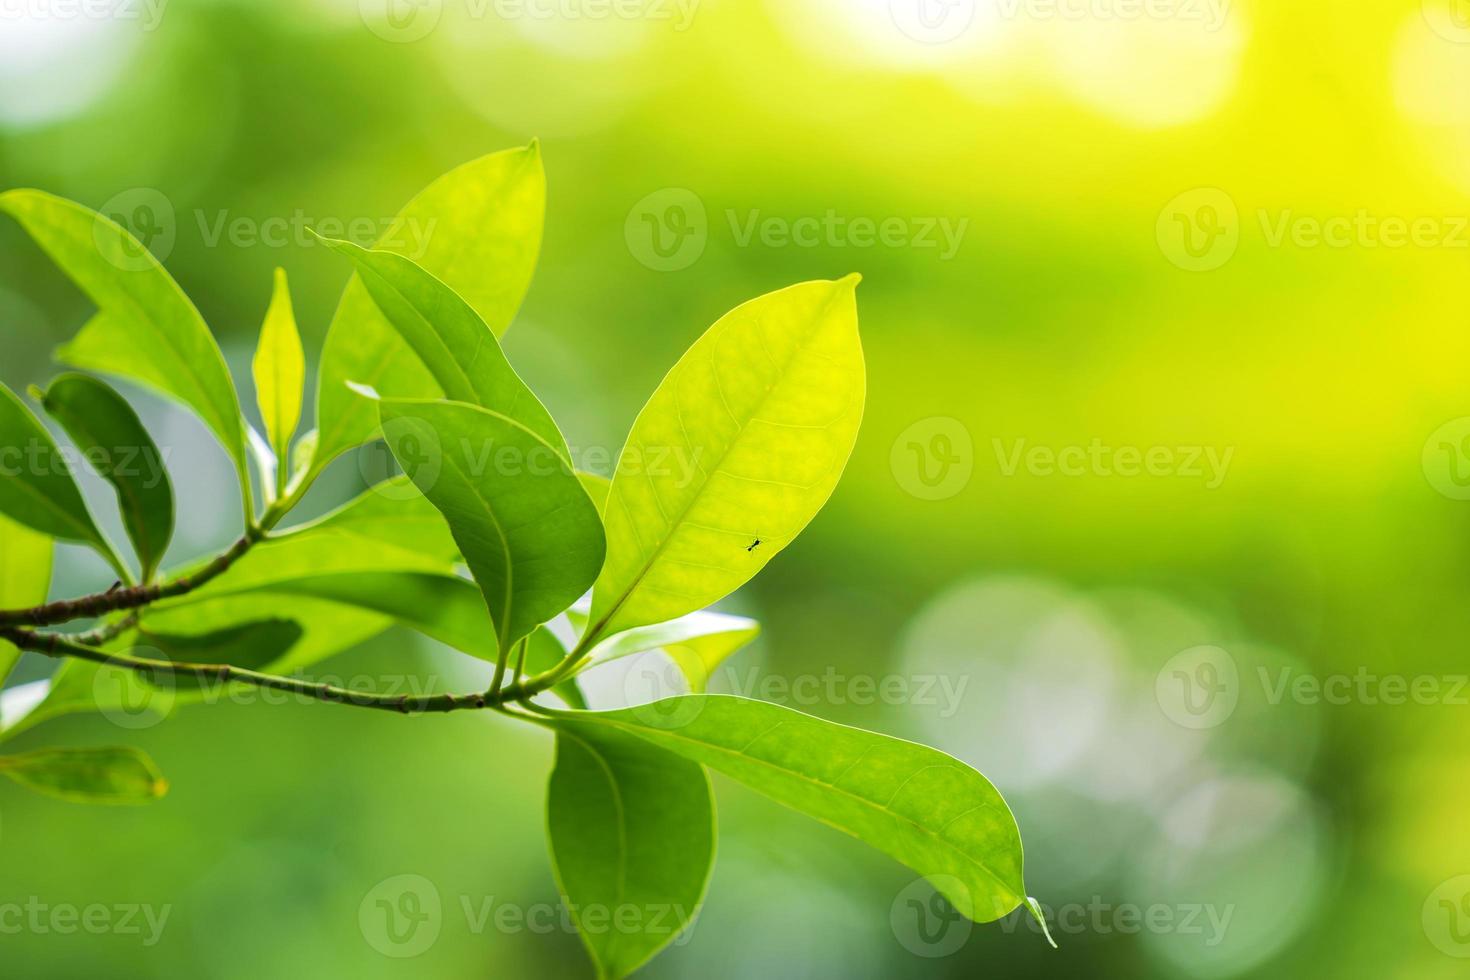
445,332
913,803
737,450
112,438
698,643
477,229
25,577
632,833
280,371
119,776
146,328
525,526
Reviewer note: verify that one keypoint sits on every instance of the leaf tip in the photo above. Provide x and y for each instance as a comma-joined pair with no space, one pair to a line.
1035,908
851,280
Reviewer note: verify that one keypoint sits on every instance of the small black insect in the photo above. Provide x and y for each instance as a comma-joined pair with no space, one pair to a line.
755,544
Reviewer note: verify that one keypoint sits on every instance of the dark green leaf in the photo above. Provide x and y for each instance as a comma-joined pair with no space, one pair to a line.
632,833
525,526
446,333
112,438
913,803
253,646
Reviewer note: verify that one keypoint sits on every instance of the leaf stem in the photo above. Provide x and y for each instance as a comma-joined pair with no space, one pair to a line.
133,597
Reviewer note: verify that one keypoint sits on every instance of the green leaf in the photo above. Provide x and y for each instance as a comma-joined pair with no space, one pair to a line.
632,833
454,343
146,329
743,442
112,438
112,775
25,577
253,646
478,229
280,372
525,526
36,484
913,803
698,643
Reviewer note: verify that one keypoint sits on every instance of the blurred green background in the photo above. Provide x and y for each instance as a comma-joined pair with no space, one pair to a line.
1230,231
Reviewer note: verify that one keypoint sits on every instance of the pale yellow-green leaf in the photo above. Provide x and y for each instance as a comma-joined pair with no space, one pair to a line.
737,450
280,371
25,575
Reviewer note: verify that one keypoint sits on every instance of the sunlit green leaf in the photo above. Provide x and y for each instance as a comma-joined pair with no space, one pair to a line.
146,329
478,229
913,803
737,450
454,343
280,371
632,833
112,438
25,576
112,775
37,488
525,526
